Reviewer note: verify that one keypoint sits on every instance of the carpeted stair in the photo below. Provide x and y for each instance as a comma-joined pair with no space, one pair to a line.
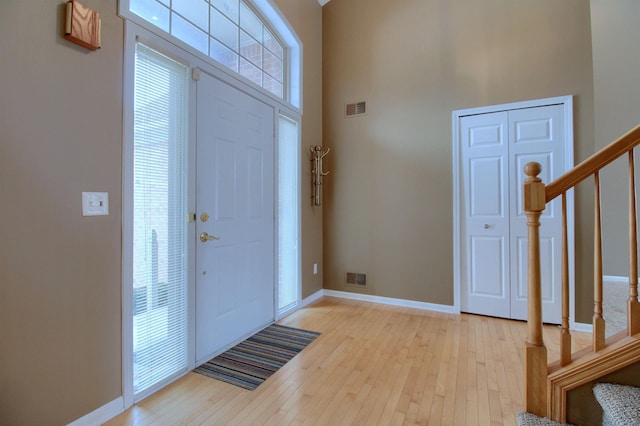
528,419
620,404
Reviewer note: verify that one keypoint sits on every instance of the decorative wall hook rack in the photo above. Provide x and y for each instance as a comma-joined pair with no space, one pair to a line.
316,157
82,25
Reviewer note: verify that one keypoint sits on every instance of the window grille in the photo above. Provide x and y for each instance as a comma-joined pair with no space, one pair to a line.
230,32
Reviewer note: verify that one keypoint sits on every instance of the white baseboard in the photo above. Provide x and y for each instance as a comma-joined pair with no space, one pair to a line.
102,414
588,327
392,301
582,327
576,326
616,279
309,300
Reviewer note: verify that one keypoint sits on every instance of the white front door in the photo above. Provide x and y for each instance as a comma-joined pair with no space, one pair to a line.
235,216
494,149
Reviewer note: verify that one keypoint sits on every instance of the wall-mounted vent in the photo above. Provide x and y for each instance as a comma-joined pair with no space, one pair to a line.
355,278
355,109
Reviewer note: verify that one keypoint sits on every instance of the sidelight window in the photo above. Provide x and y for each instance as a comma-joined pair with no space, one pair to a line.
159,228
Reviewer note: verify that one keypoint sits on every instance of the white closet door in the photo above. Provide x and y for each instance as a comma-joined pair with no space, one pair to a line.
494,150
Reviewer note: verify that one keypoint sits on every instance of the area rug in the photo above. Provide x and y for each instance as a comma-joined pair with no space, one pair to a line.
252,361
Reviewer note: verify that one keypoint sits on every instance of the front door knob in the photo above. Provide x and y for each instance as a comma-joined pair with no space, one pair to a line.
204,237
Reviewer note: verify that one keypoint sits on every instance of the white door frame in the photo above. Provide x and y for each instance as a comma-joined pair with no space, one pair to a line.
567,103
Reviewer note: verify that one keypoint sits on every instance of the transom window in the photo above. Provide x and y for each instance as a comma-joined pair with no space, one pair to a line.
228,31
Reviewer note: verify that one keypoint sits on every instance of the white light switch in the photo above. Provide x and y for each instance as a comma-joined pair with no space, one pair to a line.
95,203
315,269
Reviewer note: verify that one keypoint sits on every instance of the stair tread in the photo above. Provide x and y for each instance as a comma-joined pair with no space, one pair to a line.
620,403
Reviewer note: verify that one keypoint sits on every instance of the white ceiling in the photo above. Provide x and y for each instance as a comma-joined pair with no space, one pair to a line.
323,2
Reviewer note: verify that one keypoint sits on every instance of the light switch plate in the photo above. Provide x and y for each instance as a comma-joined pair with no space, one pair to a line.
95,203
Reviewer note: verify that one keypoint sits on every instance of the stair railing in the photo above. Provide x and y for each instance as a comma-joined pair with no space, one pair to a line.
536,195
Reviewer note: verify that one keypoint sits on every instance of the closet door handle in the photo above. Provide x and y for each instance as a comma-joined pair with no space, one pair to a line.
486,226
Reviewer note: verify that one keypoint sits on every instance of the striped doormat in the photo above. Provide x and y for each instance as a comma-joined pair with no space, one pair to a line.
252,361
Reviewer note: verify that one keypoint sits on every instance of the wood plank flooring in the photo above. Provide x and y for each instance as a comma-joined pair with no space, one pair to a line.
372,365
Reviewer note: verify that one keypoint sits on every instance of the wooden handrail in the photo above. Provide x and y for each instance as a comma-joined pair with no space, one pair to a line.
594,163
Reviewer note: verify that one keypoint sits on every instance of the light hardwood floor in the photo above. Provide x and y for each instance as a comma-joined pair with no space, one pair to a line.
372,365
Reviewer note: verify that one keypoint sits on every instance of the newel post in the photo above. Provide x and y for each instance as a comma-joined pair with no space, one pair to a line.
536,351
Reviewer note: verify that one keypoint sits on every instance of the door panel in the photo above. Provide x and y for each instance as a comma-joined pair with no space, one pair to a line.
225,183
547,255
487,267
235,187
255,197
486,179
